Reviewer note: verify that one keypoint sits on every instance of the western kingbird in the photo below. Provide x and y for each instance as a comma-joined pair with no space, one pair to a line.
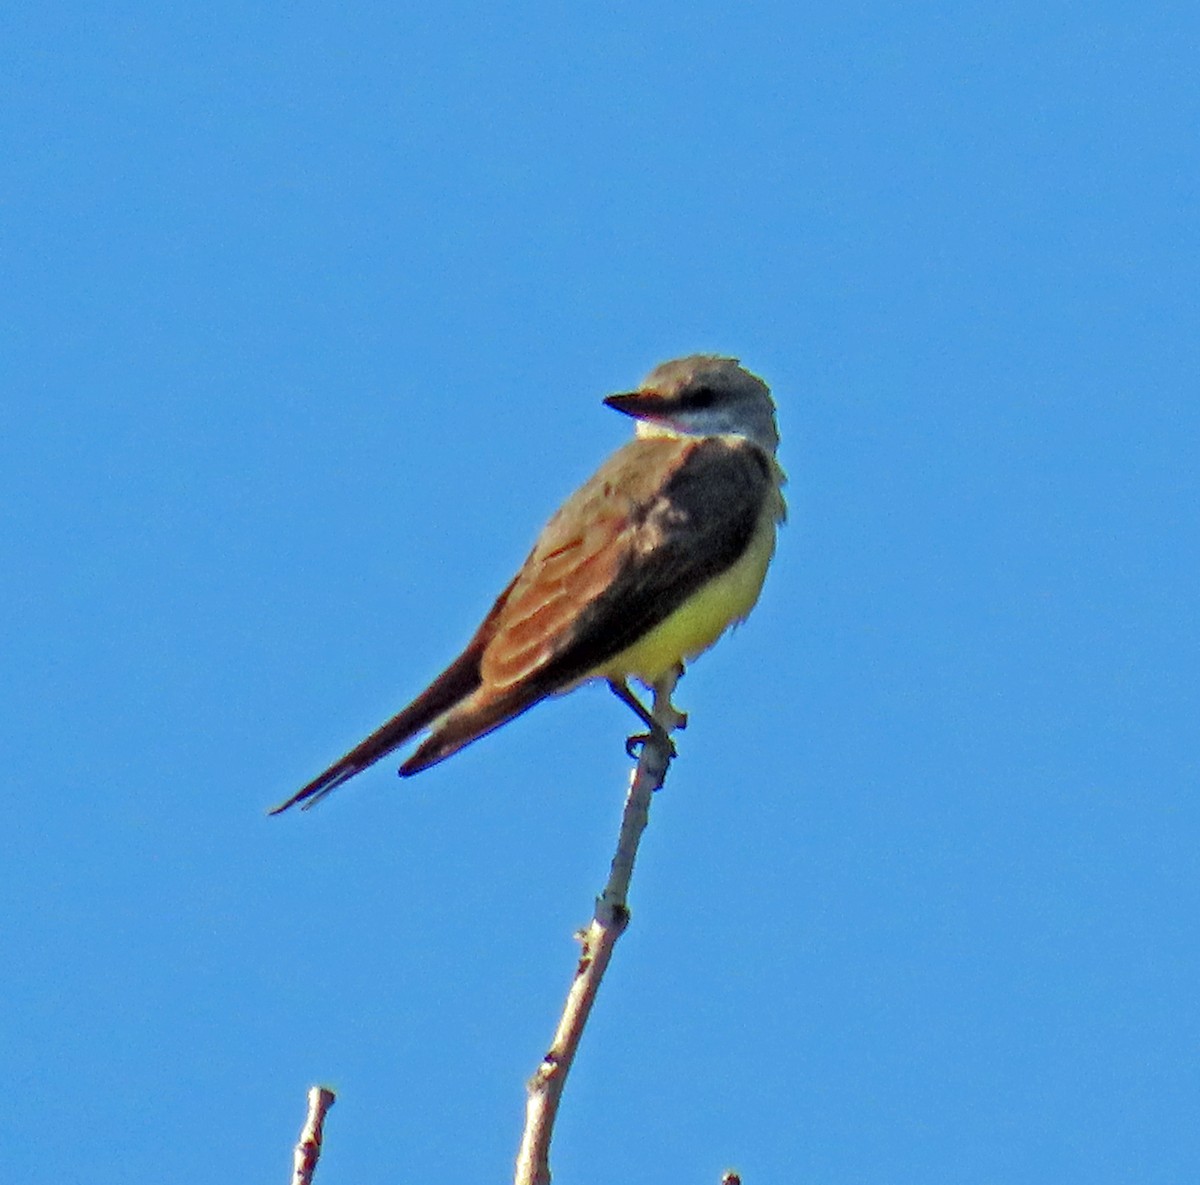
642,568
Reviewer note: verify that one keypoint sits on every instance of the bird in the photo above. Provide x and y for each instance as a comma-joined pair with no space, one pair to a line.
642,569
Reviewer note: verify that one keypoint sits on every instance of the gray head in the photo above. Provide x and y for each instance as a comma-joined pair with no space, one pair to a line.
702,395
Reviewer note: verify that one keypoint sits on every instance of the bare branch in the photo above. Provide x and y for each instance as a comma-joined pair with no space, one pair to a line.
308,1148
608,922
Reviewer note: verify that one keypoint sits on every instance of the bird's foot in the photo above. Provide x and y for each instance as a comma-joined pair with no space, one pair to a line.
657,734
662,721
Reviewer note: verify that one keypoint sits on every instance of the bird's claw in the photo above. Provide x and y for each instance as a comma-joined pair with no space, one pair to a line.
636,743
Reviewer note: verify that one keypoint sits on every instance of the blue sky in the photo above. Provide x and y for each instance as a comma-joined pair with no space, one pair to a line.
305,303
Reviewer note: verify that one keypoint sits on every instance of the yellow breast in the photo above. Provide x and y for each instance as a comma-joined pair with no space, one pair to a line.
700,621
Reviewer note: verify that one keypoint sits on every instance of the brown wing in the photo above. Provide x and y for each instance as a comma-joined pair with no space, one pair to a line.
623,553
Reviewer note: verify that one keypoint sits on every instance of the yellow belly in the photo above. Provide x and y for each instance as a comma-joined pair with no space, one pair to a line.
700,621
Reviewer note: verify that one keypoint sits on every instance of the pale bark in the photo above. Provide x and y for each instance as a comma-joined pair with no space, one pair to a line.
608,922
308,1147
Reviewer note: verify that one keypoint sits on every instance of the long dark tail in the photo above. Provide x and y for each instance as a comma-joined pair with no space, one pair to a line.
451,687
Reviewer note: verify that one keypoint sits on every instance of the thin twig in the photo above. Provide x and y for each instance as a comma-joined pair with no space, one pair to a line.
308,1148
608,922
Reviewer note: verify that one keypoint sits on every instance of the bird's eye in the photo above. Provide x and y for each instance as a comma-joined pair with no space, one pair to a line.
701,397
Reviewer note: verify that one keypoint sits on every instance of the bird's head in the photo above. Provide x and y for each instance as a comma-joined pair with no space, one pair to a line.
702,395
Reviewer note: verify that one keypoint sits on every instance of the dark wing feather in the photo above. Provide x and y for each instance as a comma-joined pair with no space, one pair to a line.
697,528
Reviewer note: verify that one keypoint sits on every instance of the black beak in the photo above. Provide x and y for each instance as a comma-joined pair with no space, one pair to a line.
632,403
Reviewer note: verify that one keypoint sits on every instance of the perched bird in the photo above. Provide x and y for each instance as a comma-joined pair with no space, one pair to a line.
640,570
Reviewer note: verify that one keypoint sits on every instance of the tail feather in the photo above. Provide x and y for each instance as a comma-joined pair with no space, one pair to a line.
451,687
454,684
459,729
